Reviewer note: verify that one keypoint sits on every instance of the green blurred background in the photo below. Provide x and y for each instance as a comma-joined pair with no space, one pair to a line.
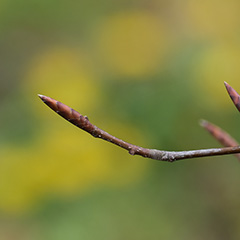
143,70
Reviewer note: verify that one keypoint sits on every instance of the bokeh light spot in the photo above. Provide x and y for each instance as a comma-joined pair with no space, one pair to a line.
213,19
133,43
60,73
220,63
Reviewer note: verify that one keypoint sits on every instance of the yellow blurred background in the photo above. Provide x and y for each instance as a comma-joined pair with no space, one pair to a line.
144,71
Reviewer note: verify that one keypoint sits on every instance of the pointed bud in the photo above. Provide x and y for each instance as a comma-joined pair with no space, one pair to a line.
233,95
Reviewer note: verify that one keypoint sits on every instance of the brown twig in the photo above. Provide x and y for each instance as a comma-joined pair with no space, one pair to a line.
220,135
170,156
233,95
223,137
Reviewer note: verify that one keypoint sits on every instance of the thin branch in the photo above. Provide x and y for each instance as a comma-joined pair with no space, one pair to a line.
220,135
170,156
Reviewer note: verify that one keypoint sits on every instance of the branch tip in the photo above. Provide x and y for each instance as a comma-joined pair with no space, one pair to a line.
203,122
42,97
233,95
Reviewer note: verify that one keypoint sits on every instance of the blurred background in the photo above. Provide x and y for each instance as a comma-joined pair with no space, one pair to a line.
145,71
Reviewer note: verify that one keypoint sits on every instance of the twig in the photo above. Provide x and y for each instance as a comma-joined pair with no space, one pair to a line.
223,137
233,95
170,156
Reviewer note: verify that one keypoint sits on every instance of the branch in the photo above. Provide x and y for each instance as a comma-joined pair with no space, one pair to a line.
220,135
233,95
170,156
223,137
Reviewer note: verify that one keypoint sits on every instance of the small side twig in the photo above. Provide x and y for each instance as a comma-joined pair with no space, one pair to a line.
220,135
83,122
